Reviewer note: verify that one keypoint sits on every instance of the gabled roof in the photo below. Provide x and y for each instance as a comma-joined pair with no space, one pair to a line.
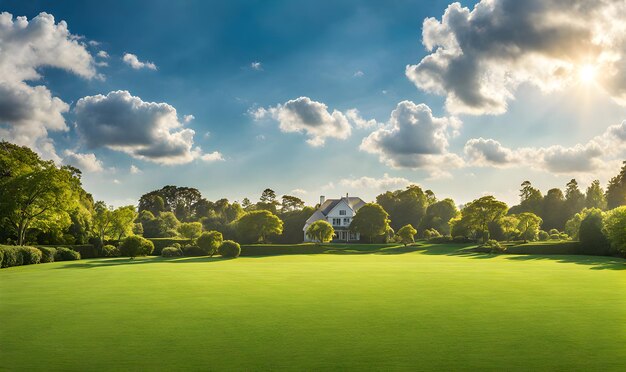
321,213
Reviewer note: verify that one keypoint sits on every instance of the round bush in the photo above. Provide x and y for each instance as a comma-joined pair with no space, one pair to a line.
229,248
553,231
47,254
135,245
210,241
555,237
111,251
494,246
1,257
593,241
176,245
193,250
171,252
543,235
30,255
66,254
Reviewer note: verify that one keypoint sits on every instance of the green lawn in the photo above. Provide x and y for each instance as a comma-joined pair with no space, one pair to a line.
423,308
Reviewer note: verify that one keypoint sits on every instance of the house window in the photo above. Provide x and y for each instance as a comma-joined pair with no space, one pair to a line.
342,213
336,221
346,221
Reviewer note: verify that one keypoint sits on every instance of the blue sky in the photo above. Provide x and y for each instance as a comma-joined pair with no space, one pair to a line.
345,55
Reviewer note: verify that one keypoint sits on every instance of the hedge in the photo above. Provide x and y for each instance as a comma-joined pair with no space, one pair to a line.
271,249
160,243
85,250
47,254
549,247
17,256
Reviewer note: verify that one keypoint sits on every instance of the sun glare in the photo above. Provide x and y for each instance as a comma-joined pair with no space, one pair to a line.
587,74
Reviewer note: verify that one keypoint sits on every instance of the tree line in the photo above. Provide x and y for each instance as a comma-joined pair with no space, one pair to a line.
41,203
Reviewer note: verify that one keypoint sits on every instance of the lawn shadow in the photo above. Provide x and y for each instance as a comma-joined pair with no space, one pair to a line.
596,262
123,261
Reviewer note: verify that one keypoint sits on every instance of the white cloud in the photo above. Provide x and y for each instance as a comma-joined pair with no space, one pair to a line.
596,155
256,66
145,130
103,54
414,138
134,169
479,57
354,116
308,116
358,74
27,112
116,181
385,183
84,162
134,62
214,156
299,192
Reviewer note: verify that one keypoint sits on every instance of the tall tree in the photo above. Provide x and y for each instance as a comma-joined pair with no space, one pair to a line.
554,214
574,199
123,221
530,200
291,203
616,190
438,216
371,221
479,213
528,226
257,226
406,206
594,197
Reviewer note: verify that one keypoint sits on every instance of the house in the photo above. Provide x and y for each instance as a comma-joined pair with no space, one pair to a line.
339,213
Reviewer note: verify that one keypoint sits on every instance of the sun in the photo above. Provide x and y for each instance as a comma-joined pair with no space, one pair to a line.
587,74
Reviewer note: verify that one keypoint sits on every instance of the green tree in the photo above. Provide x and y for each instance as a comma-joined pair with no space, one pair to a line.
371,220
35,194
190,230
572,226
528,226
320,231
530,199
594,197
510,226
406,206
292,225
268,201
592,238
123,221
574,199
616,190
259,225
210,241
407,234
615,227
554,214
134,246
480,212
438,216
291,203
170,223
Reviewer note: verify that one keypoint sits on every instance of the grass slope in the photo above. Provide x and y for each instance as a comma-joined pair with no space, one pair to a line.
429,309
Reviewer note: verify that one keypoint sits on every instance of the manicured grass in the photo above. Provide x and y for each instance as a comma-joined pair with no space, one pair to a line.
415,308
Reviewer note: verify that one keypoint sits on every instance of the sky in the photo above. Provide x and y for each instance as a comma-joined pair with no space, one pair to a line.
317,98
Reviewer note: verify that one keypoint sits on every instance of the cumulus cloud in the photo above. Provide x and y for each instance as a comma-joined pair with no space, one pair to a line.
145,130
103,54
358,74
256,66
299,192
28,112
214,156
589,157
385,183
134,169
134,62
414,138
303,115
84,162
479,57
355,117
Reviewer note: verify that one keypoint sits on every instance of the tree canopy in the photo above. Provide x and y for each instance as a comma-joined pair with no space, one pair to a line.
371,220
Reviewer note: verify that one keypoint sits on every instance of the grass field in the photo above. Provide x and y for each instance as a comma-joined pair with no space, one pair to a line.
387,308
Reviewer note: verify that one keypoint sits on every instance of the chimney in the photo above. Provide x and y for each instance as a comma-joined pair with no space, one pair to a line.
322,199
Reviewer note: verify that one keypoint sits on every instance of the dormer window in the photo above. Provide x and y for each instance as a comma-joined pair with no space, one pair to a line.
342,212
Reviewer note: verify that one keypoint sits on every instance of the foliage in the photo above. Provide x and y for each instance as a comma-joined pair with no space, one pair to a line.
593,241
190,230
47,254
66,254
182,201
230,249
494,246
41,194
19,255
320,231
134,246
209,242
113,223
257,226
616,190
293,222
477,215
404,207
171,252
371,221
431,233
438,216
543,235
407,234
615,227
528,226
595,197
160,243
111,251
291,203
192,250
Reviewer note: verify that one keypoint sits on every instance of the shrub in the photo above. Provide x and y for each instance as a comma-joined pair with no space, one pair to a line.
135,245
563,236
431,233
592,238
66,254
160,243
30,255
47,254
171,252
553,231
111,251
494,246
1,257
11,256
462,240
615,227
193,250
176,245
543,235
229,248
555,236
209,242
85,250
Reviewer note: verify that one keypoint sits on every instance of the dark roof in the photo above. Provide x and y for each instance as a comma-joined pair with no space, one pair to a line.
354,203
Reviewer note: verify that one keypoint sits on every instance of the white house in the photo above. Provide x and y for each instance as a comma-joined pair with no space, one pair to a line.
339,213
